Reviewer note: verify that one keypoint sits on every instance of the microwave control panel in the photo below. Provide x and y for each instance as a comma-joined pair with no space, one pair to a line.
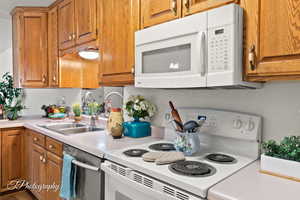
219,44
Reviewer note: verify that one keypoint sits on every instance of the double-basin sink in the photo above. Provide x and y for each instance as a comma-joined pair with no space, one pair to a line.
71,128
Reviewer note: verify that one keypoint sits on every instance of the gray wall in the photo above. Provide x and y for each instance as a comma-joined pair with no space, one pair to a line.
278,103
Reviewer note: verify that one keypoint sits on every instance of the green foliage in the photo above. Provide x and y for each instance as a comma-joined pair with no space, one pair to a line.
93,108
288,148
138,107
76,110
7,90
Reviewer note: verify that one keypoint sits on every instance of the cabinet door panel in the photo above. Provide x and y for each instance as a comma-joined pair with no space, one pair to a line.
120,21
66,24
38,170
86,20
276,42
53,47
54,166
159,11
194,6
12,156
35,61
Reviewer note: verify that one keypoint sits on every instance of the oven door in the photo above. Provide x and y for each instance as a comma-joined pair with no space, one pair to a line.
122,183
172,55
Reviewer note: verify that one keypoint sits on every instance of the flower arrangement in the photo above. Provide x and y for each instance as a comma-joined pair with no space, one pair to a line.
10,97
288,148
76,110
139,108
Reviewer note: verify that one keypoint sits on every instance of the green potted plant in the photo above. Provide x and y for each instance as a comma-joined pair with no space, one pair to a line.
77,112
283,158
10,97
138,108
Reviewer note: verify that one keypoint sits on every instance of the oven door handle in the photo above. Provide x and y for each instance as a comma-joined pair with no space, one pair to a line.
86,166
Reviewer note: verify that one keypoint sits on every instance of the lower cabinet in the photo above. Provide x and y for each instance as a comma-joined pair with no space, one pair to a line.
12,156
46,165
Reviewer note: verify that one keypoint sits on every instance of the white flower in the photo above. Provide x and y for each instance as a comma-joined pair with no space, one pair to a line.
136,107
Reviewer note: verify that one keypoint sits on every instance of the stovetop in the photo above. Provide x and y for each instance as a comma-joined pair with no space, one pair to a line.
209,174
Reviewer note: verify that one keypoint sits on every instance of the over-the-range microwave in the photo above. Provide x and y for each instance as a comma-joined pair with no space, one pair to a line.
198,51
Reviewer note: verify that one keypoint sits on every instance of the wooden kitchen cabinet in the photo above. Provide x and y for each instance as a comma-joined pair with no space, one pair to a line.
53,51
190,7
86,21
158,11
53,170
30,47
272,46
120,20
66,24
78,22
12,156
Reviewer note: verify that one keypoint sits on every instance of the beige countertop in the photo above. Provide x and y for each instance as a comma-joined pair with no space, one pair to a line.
20,122
250,184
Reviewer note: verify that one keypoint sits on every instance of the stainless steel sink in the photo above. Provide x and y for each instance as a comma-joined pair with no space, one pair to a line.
71,128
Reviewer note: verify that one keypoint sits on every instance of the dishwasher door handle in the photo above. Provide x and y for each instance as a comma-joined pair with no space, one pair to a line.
86,166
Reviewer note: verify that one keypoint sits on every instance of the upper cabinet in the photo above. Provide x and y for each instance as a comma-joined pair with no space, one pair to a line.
120,20
77,21
159,11
86,21
272,47
66,24
195,6
30,47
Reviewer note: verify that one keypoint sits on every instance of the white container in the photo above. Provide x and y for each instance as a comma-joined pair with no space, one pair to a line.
280,167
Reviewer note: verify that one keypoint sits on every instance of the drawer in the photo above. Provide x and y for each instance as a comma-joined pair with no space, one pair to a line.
54,146
38,138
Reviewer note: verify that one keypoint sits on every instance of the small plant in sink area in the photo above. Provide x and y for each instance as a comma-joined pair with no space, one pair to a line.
282,159
11,98
76,110
288,148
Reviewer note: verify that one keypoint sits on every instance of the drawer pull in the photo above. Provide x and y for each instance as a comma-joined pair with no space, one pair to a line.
252,58
174,7
41,158
44,160
35,139
51,146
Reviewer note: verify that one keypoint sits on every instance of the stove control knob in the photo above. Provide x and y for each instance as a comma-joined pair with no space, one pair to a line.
237,124
250,125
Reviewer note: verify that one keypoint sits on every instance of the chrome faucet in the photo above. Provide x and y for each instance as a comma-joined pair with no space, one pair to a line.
93,122
107,110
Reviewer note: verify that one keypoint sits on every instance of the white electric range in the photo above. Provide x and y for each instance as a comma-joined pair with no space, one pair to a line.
229,142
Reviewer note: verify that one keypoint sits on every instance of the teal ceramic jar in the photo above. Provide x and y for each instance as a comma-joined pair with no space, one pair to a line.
137,129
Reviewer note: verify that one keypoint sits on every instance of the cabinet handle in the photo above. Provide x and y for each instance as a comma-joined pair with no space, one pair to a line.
70,37
252,58
74,36
187,4
174,7
51,146
44,79
54,78
133,70
35,139
44,160
41,158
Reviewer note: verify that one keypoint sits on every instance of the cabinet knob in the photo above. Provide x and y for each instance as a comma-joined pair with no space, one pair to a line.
74,36
70,37
174,7
252,58
35,139
54,78
51,146
44,79
133,70
187,4
44,160
41,158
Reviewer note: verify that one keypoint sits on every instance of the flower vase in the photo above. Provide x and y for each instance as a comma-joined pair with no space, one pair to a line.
12,115
137,128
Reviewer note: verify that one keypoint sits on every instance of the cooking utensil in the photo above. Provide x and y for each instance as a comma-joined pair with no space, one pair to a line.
176,117
191,126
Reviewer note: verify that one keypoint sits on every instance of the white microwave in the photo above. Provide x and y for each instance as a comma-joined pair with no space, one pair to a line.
201,50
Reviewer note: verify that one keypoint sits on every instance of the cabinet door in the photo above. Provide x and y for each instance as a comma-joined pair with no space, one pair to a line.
54,167
272,40
86,20
12,156
194,6
159,11
66,24
53,47
28,156
39,169
34,65
120,21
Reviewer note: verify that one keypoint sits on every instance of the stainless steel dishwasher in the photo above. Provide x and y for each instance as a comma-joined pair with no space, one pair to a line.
89,177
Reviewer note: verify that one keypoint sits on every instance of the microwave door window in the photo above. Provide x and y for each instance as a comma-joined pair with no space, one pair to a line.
171,59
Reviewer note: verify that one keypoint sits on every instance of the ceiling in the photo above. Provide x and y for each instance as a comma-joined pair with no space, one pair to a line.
7,5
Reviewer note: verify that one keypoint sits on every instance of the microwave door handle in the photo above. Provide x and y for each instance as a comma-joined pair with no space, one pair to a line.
203,58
